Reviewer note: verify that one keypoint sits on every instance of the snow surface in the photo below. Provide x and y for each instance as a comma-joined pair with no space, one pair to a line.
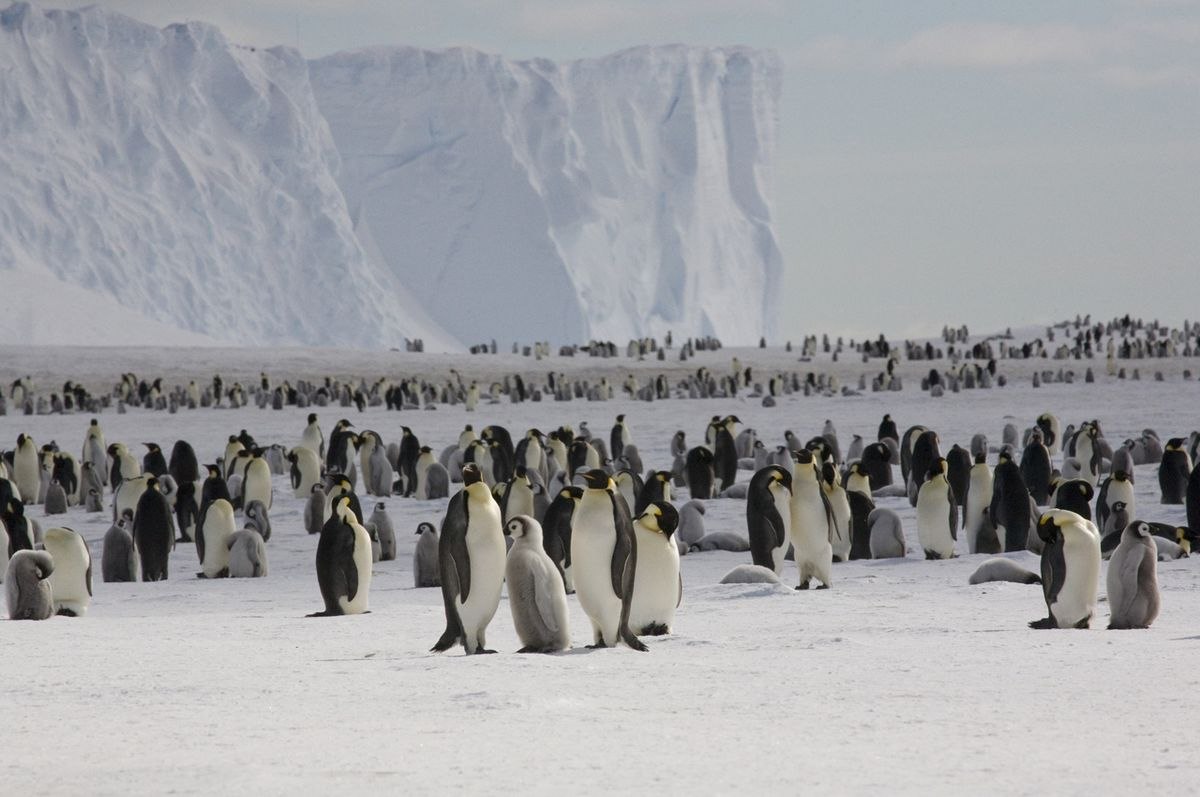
901,678
632,193
197,182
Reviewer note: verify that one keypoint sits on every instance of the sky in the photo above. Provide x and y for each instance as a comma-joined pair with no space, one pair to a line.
990,164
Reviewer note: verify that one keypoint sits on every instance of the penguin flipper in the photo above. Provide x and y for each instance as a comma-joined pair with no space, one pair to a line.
345,561
625,548
1054,569
627,575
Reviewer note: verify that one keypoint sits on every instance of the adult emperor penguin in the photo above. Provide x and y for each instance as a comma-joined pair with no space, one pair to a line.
978,502
810,525
256,484
305,470
1087,451
71,581
1070,569
699,473
725,453
926,451
536,595
556,532
1116,489
1051,437
1173,471
183,466
876,464
26,469
1132,579
153,532
604,559
343,563
657,584
471,557
312,438
27,586
1035,468
937,514
425,557
619,437
840,529
124,465
94,450
769,517
1010,508
212,539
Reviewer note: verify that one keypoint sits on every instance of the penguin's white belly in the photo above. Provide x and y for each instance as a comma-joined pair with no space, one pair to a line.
979,498
362,563
840,537
591,561
655,582
26,476
1077,597
216,551
778,554
68,582
487,553
933,524
810,536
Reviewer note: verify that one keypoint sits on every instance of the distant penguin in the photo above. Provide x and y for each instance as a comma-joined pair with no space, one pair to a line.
1000,569
1009,511
876,464
1132,579
71,581
1051,438
212,540
471,558
26,469
768,517
247,554
56,499
343,563
619,437
305,470
312,438
153,532
386,533
886,534
887,428
1173,471
604,558
978,502
937,513
259,519
1070,569
118,562
855,450
425,557
27,586
1035,468
699,470
657,583
315,509
536,595
810,524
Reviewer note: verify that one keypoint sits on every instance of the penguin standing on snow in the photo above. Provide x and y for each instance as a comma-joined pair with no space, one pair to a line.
343,563
769,517
1070,569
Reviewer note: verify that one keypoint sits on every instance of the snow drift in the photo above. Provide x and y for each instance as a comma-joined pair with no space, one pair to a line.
248,196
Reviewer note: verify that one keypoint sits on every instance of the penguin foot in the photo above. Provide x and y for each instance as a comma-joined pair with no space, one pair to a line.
201,575
1046,622
802,585
67,613
597,646
482,651
655,629
823,586
1085,623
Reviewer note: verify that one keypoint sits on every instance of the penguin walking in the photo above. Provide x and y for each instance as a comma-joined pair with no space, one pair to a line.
937,513
1132,579
71,581
343,563
536,595
769,517
810,525
604,558
657,583
471,559
1070,569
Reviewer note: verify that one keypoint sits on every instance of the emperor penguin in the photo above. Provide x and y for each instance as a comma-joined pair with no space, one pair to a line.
978,502
556,532
425,558
118,559
536,595
1173,471
1132,580
256,484
26,469
810,525
212,540
153,532
619,438
1035,468
124,465
657,582
769,517
886,534
385,531
55,502
518,497
305,470
839,505
937,513
725,453
128,493
27,586
183,466
1010,508
94,450
604,559
1070,569
247,554
233,448
1051,437
657,487
1087,451
699,473
1116,489
343,563
71,581
471,557
857,480
312,438
258,519
425,460
315,510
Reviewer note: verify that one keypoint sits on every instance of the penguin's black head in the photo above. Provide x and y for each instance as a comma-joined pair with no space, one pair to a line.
981,458
426,450
620,419
829,473
936,469
1121,476
596,479
1119,506
804,456
662,517
312,417
781,475
424,527
471,474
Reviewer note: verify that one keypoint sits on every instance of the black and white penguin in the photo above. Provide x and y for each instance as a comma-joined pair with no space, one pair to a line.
978,503
1051,438
71,581
811,523
343,563
1074,495
604,560
406,461
876,463
839,506
887,428
937,513
536,595
657,487
256,483
1009,511
1132,579
769,517
26,469
471,558
305,470
1193,503
724,454
1035,468
312,437
556,532
212,539
657,583
861,509
925,452
153,461
700,473
183,466
1070,569
153,532
1173,471
1116,489
618,438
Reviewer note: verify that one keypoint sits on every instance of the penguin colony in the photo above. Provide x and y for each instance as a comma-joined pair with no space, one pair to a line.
618,531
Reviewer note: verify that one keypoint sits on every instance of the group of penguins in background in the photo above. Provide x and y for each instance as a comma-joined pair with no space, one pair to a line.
563,513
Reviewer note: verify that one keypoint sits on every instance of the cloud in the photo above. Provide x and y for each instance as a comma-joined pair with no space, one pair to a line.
992,46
